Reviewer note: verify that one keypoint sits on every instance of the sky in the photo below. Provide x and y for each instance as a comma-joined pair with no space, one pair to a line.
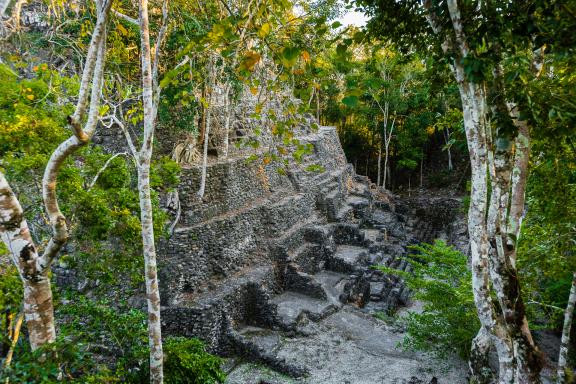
353,18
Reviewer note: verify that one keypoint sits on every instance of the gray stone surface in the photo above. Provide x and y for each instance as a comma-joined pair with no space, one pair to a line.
275,272
350,347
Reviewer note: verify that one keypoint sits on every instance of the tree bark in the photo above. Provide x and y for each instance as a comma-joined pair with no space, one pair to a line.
3,7
447,138
150,96
33,268
492,249
211,83
229,109
565,341
379,160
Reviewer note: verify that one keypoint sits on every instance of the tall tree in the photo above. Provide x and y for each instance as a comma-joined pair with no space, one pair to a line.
478,39
32,266
150,98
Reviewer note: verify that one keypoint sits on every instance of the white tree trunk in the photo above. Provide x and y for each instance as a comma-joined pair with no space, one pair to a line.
150,97
14,232
229,109
211,82
202,188
447,138
493,265
150,273
32,267
565,342
379,161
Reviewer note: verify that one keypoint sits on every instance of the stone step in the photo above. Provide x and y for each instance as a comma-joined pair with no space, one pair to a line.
343,215
373,235
293,308
309,257
291,239
333,284
266,339
260,346
357,201
347,258
304,283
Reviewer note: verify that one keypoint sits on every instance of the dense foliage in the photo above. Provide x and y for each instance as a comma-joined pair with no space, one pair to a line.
102,344
440,279
388,90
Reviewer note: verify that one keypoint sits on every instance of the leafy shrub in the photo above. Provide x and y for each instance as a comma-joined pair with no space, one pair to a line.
442,281
98,343
61,361
125,337
186,361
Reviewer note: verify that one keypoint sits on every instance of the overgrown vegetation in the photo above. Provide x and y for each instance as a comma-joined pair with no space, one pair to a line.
388,90
101,343
440,279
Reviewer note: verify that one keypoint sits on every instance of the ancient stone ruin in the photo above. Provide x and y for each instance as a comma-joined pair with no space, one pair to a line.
276,270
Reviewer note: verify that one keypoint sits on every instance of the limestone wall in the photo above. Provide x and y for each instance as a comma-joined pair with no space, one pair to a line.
246,209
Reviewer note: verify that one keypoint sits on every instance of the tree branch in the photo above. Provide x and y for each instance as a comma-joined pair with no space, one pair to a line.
106,164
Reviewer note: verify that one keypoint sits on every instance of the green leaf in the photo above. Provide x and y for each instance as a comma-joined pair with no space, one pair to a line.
350,101
290,56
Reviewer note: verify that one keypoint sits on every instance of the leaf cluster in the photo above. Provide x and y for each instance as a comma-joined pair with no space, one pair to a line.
440,279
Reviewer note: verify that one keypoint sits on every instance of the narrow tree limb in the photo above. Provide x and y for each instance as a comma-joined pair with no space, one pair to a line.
15,336
62,152
125,17
89,66
159,40
565,341
456,18
103,168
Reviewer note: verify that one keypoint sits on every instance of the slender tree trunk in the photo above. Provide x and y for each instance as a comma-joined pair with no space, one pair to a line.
565,342
202,188
447,138
385,176
228,110
492,247
14,232
151,274
379,161
318,104
150,96
38,305
422,170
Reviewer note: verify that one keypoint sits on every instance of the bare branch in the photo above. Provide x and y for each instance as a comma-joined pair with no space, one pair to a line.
88,72
125,17
106,164
131,145
156,63
65,149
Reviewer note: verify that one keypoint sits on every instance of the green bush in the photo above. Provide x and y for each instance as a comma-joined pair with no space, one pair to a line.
98,343
62,361
442,281
186,361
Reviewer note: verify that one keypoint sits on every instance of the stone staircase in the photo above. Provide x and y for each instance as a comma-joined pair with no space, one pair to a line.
253,281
